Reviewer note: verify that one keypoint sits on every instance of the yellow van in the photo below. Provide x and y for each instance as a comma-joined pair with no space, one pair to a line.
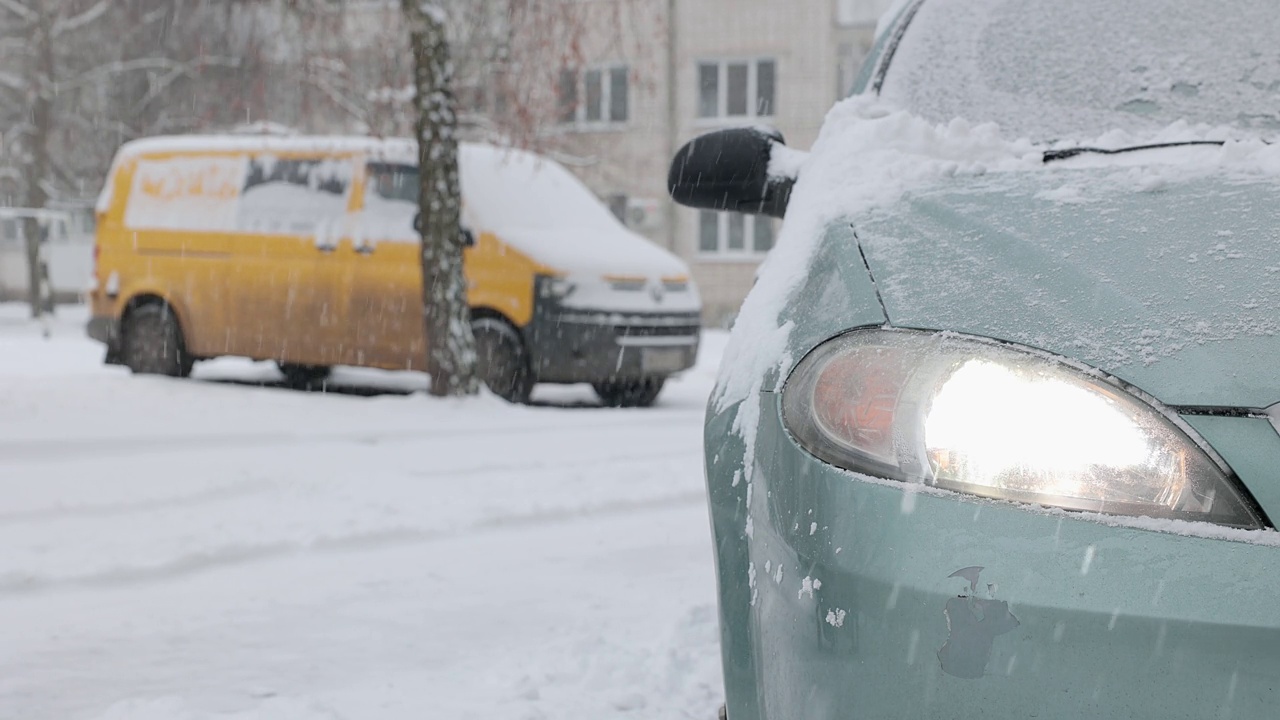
302,250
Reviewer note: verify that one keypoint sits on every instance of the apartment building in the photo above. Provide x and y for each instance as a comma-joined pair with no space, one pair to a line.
665,71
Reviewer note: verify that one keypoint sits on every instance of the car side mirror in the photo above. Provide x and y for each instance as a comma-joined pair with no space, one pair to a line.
729,170
417,222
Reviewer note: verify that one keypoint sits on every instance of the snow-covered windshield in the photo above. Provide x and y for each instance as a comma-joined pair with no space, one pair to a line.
1055,69
511,189
502,189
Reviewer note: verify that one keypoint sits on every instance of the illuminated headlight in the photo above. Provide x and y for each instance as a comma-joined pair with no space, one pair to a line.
551,287
976,417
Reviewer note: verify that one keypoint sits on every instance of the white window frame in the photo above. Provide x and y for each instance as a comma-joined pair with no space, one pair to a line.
580,121
723,251
722,88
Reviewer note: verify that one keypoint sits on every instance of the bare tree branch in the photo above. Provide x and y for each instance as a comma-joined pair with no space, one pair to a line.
121,67
12,82
19,9
85,18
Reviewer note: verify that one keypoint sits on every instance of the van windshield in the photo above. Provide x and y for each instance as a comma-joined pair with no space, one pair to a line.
502,190
513,190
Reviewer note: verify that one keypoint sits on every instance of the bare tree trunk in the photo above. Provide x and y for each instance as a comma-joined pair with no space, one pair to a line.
451,355
38,168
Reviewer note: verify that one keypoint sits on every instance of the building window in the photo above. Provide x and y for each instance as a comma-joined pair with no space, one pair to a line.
595,96
737,88
734,234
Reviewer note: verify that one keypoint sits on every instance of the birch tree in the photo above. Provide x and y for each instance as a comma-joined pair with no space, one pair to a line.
451,346
35,86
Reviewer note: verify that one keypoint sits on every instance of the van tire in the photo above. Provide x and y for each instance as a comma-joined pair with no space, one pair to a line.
303,377
151,342
629,393
502,363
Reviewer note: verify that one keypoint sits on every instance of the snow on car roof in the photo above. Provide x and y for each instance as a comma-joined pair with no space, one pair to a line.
1048,69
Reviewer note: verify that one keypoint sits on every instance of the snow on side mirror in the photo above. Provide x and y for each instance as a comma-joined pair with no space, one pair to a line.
729,170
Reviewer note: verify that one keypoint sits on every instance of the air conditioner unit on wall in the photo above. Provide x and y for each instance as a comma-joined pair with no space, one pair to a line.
644,214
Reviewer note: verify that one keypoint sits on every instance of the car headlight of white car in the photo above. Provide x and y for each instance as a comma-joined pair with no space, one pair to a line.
979,417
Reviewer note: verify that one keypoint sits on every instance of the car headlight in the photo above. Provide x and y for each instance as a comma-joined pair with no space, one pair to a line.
551,287
977,417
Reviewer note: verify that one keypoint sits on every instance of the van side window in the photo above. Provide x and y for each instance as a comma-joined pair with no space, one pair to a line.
390,202
293,195
393,182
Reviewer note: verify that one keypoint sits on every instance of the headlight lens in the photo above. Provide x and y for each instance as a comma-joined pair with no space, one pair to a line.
551,287
976,417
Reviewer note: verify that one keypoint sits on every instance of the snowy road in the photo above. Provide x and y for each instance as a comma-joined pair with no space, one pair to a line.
211,549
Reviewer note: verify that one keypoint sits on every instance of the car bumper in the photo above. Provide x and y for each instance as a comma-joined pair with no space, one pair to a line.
106,330
571,346
843,597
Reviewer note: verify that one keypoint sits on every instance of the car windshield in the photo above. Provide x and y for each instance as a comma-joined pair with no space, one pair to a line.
1054,70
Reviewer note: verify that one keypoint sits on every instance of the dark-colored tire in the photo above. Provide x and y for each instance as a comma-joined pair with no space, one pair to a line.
629,393
501,361
151,342
304,376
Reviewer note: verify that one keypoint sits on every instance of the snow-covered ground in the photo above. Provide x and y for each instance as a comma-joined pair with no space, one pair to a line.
211,549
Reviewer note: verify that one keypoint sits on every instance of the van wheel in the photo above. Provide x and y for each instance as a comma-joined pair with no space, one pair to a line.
629,393
303,376
501,361
151,343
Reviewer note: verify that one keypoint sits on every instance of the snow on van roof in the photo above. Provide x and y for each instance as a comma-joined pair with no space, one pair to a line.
390,149
511,187
400,148
532,201
490,173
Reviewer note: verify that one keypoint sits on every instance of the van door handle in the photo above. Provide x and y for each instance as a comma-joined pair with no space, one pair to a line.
326,248
366,249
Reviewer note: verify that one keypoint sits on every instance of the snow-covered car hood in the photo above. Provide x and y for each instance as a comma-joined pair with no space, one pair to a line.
587,251
614,270
1167,282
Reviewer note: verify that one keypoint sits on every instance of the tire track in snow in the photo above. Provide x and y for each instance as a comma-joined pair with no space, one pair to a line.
257,487
36,451
107,510
12,584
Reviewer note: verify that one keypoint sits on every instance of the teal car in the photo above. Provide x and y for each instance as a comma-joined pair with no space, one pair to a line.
998,430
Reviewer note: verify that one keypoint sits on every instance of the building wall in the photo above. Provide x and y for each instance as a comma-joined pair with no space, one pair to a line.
797,35
817,47
630,158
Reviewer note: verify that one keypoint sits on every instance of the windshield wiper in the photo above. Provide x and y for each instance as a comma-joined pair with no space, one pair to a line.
1053,155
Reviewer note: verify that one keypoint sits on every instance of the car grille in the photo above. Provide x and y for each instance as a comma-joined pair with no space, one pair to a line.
631,329
639,331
